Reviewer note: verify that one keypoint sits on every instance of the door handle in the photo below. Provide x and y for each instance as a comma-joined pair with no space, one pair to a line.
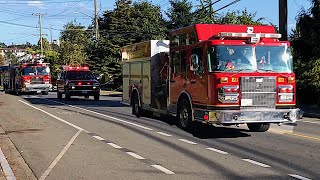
172,81
193,81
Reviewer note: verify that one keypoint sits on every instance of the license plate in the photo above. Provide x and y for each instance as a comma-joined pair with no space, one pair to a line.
38,91
84,92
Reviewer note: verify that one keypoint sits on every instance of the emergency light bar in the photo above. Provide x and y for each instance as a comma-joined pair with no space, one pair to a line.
75,68
249,35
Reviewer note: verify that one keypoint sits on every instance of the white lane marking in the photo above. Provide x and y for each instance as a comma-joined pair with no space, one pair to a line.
64,121
165,134
54,163
100,114
99,138
187,141
312,122
257,163
6,167
114,145
217,150
135,155
299,177
165,170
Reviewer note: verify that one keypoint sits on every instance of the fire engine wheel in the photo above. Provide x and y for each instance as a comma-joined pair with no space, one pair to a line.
136,109
59,95
185,115
258,127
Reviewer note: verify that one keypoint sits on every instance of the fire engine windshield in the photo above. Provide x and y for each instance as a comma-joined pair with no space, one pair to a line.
250,58
274,58
231,58
34,70
80,75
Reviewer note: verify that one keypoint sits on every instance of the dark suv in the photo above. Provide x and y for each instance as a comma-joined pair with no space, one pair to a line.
78,81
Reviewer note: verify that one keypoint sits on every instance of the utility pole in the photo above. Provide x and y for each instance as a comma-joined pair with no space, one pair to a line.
96,19
40,24
283,19
50,34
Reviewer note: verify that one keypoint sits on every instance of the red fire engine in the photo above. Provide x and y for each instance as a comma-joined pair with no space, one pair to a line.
216,74
27,77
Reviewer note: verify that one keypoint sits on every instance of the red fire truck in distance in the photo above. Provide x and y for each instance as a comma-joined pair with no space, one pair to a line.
216,74
27,78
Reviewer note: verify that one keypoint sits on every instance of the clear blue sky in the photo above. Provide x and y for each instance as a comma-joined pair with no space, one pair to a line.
18,25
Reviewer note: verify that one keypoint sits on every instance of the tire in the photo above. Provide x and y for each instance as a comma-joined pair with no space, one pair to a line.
44,92
258,127
96,97
67,96
59,95
136,108
184,116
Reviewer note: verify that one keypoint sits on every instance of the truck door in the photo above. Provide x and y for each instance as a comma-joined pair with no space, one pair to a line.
175,77
196,80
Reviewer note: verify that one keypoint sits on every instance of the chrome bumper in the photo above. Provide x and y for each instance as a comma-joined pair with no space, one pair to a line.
36,87
254,116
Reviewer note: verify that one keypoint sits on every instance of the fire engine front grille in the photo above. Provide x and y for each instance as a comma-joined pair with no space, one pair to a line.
258,92
36,80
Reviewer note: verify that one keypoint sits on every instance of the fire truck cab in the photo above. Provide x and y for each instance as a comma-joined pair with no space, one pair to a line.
215,74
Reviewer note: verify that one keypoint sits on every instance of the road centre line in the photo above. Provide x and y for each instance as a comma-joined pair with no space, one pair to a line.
135,155
299,177
114,145
165,134
99,138
104,115
257,163
54,163
187,141
165,170
6,167
64,121
217,150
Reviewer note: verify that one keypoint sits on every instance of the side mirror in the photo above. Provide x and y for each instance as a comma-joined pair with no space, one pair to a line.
194,64
97,76
58,75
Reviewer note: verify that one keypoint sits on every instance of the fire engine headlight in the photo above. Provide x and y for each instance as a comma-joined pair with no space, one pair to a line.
285,97
73,87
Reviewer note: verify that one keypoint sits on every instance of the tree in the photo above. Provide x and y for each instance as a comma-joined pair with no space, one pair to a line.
73,44
306,53
240,17
179,14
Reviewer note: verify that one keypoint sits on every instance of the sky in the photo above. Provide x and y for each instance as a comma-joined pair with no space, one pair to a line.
18,25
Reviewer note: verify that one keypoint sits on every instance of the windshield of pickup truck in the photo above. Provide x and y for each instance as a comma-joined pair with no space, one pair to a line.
34,70
249,58
80,75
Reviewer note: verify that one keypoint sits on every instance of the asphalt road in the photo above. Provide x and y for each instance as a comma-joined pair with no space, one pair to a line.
87,139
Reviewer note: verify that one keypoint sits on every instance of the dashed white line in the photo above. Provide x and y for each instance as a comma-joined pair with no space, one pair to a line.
135,155
165,134
165,170
100,114
99,138
6,167
217,150
257,163
299,177
53,164
187,141
64,121
114,145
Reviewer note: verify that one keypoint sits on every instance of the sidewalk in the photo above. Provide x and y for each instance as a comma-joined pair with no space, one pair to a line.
2,175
